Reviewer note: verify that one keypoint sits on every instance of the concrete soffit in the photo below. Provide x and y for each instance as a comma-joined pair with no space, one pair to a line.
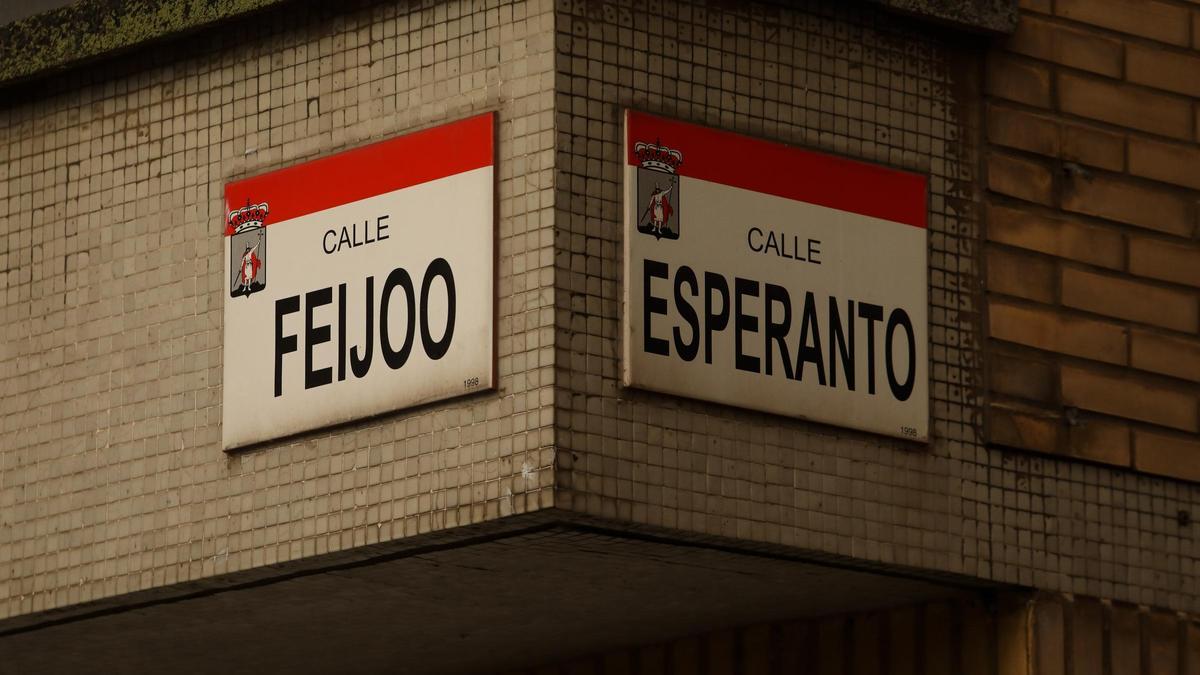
88,29
495,596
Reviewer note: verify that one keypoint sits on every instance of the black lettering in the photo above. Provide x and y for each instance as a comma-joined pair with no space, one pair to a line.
744,323
777,331
653,269
814,250
901,391
772,243
806,353
341,332
714,322
284,344
687,350
345,239
396,358
750,240
325,242
841,343
359,365
871,313
795,249
381,228
437,349
315,335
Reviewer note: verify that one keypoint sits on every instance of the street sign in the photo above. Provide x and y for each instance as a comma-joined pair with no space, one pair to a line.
774,278
359,283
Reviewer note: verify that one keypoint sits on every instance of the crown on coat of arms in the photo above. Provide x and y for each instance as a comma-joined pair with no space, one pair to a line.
251,215
657,157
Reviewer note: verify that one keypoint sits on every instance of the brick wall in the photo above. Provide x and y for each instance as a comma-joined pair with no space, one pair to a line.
848,79
1005,635
942,638
1093,266
1083,636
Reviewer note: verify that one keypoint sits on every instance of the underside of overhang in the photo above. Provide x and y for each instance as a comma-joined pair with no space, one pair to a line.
522,592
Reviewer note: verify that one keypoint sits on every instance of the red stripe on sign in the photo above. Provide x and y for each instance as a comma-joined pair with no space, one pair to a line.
368,171
776,169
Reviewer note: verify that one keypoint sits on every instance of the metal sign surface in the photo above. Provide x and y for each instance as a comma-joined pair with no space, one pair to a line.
359,283
773,278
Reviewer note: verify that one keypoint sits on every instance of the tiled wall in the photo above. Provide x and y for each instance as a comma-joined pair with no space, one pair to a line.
112,477
844,78
1093,265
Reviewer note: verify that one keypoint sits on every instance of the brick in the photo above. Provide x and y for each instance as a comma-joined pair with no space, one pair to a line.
1166,260
1100,441
1124,105
1167,162
722,652
789,645
1013,635
652,660
1167,455
1023,377
1193,649
1165,354
1087,637
756,651
1147,18
1022,130
978,630
1129,299
1026,429
1093,147
1020,178
1163,651
1125,641
937,624
1066,239
685,654
1017,80
1045,328
1049,640
902,641
1128,397
1128,202
616,663
582,667
832,640
1067,45
1022,275
1163,69
865,654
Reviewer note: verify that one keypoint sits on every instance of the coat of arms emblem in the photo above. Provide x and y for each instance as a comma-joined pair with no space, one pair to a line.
247,249
658,189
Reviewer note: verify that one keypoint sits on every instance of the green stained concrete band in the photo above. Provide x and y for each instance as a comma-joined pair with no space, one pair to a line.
92,28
